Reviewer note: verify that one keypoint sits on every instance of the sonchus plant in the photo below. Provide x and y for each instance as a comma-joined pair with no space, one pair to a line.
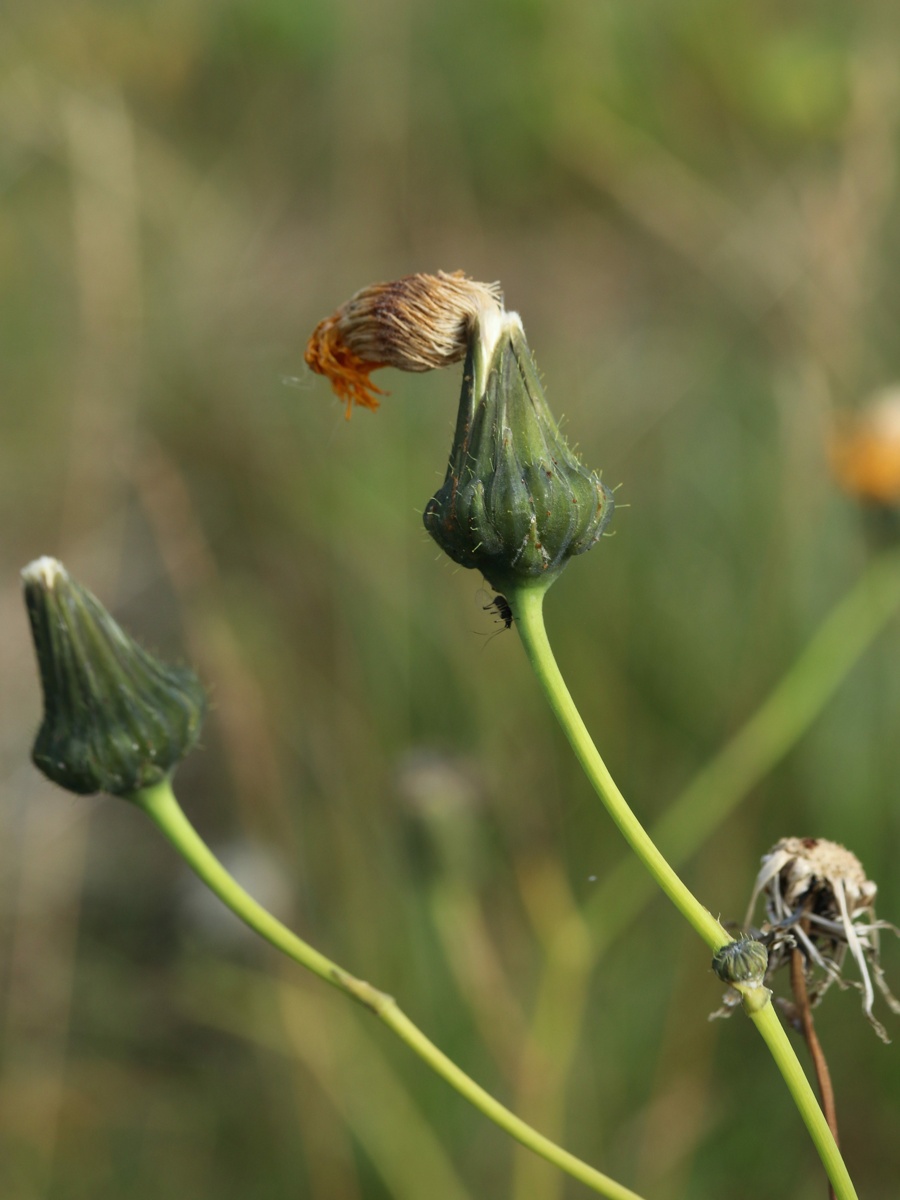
517,505
118,720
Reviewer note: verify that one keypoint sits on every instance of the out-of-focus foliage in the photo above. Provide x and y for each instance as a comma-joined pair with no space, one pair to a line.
694,207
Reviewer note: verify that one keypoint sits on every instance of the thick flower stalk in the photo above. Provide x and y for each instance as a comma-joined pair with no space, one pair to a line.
116,719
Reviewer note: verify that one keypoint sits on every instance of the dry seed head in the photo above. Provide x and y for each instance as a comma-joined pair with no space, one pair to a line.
812,871
819,900
415,323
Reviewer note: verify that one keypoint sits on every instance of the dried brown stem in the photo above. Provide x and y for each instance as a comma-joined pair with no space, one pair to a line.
804,1013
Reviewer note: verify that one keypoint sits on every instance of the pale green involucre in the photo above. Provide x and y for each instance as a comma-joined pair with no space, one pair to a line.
743,961
516,502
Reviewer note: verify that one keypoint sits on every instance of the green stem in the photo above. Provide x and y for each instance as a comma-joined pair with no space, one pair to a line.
779,722
781,719
161,806
773,1034
527,606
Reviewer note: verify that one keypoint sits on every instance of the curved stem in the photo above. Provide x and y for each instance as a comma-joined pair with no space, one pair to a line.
781,719
769,733
527,606
161,806
773,1034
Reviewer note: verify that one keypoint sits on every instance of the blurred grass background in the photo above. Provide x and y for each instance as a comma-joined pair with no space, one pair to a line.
694,207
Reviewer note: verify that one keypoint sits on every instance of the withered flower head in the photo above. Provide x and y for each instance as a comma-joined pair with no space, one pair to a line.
865,451
116,719
819,900
414,324
517,503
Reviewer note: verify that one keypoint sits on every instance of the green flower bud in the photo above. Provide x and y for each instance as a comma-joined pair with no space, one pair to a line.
742,964
516,502
115,718
741,961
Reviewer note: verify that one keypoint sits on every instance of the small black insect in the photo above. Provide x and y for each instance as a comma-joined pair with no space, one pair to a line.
500,605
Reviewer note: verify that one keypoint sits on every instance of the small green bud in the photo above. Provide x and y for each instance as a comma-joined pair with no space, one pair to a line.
741,961
516,502
115,718
742,964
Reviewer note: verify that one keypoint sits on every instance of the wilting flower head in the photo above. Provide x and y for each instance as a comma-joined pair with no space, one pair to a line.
115,719
865,451
414,324
818,900
516,502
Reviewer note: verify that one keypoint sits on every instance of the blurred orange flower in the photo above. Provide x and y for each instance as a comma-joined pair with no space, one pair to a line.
865,451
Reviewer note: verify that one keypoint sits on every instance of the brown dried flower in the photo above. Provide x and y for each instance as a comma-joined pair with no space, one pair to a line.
415,323
819,900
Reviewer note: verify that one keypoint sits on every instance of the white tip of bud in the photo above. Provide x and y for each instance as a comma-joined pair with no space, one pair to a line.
492,322
44,571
